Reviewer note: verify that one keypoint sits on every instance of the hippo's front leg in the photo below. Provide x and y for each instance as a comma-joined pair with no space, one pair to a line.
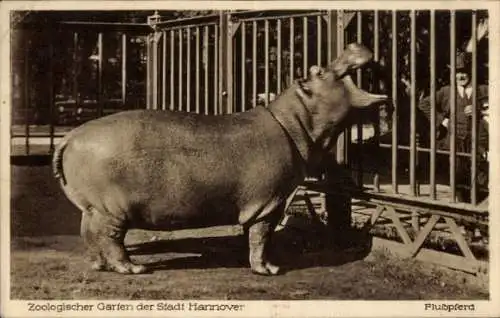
259,236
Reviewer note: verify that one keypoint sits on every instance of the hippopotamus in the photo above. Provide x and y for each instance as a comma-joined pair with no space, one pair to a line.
165,170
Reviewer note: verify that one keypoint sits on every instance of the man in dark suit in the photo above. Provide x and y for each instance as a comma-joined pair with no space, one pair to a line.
463,124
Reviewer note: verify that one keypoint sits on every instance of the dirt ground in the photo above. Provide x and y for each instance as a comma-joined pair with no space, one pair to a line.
47,261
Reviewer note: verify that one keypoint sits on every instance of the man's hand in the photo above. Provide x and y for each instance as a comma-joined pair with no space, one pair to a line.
485,114
468,110
484,110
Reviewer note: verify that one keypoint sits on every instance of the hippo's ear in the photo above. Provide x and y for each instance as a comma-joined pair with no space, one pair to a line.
354,56
359,97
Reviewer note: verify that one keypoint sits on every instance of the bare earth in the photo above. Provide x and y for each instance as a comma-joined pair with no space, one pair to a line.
47,261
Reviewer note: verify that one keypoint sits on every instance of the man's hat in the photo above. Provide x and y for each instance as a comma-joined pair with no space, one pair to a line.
463,61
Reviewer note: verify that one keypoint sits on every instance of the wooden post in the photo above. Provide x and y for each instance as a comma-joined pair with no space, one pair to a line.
338,206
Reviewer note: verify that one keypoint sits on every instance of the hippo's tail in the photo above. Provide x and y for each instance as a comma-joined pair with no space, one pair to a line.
57,161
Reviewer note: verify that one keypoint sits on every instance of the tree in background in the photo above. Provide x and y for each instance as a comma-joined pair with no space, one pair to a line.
76,59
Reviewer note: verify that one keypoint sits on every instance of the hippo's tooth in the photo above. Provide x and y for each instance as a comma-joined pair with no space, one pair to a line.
359,97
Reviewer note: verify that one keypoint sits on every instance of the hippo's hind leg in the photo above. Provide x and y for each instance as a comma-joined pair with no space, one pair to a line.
104,236
90,242
259,235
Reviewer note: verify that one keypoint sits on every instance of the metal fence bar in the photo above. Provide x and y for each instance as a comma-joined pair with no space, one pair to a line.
376,85
229,38
334,23
319,37
164,71
254,63
197,90
292,49
188,70
180,31
216,73
266,62
305,47
224,25
278,57
172,67
453,104
124,68
433,103
51,94
148,72
100,95
76,97
27,99
359,38
376,37
332,34
346,143
154,70
207,62
395,112
243,65
474,128
413,103
359,126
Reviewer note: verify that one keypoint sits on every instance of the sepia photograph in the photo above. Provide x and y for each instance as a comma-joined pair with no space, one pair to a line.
189,160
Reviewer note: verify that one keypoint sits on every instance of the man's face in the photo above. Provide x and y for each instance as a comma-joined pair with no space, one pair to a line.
462,77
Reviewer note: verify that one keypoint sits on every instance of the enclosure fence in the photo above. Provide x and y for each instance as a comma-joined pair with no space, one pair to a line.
234,61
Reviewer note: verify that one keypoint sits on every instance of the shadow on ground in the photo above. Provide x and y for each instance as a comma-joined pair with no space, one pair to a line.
39,208
292,249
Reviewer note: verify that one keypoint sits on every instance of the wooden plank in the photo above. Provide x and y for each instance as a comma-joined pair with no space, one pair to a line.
378,212
290,198
464,247
310,207
422,235
431,256
399,226
374,217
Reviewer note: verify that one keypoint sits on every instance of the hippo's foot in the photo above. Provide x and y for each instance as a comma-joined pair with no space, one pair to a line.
121,267
259,235
117,259
266,269
128,268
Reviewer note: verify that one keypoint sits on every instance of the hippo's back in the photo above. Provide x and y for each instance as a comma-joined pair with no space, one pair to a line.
157,161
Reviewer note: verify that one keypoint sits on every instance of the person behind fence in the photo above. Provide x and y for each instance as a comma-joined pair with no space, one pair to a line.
463,125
